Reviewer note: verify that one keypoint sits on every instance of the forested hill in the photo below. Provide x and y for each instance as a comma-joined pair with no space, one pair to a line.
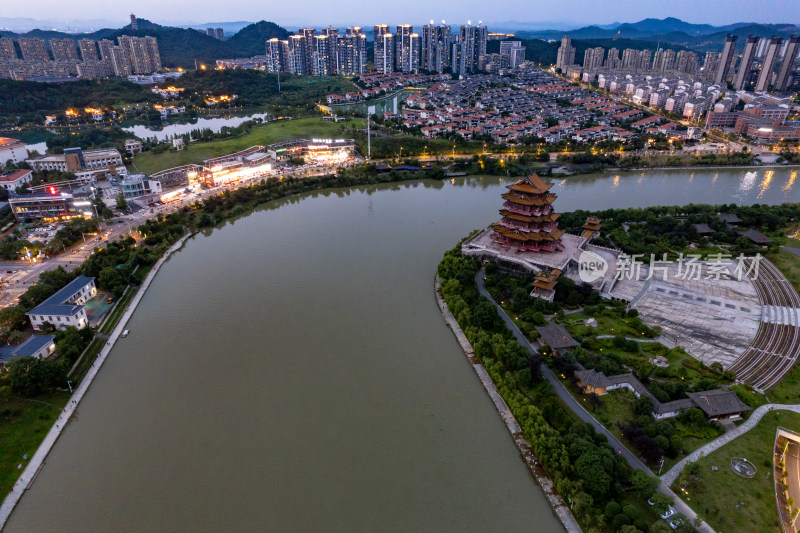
181,47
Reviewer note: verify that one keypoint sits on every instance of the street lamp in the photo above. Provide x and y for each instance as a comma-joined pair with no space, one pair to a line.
454,151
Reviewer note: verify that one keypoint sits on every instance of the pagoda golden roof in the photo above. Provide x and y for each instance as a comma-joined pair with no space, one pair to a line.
592,223
519,235
533,184
517,198
547,280
551,217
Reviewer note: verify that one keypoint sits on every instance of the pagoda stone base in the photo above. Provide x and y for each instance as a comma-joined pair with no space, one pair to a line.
482,246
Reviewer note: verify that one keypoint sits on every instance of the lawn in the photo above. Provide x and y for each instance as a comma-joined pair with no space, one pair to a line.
714,495
149,162
788,390
788,263
23,425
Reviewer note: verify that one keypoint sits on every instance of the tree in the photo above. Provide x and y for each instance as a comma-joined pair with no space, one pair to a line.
122,204
31,377
110,279
644,485
643,406
593,470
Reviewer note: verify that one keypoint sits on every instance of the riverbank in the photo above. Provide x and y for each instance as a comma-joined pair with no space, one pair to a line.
37,461
557,503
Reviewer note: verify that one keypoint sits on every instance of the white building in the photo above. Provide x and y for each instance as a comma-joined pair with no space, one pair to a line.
12,150
13,179
65,307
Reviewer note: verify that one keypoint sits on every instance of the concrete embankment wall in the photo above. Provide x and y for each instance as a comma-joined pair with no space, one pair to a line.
557,503
37,461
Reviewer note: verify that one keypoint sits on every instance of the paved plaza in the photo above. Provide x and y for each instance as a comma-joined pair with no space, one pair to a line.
715,320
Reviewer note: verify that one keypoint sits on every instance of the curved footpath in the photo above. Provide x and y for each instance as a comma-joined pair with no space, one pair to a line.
37,461
672,474
575,406
556,501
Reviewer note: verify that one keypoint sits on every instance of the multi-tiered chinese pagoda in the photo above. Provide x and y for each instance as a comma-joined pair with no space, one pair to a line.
529,222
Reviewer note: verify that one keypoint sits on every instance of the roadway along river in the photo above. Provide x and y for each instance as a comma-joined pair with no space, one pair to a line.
292,372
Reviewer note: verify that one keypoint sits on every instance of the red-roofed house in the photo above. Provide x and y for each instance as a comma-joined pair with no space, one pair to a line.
13,150
11,179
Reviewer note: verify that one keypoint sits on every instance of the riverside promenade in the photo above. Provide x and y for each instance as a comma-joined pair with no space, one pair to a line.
557,503
37,461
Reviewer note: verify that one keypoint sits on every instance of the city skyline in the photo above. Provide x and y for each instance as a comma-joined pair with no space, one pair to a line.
571,13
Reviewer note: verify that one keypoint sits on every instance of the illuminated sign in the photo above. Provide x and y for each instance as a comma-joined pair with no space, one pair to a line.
52,190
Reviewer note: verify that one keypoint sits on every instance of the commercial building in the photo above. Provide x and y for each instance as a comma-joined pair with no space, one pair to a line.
311,148
12,150
138,185
48,206
11,180
65,307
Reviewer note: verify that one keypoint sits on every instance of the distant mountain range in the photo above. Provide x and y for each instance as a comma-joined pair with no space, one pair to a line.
180,47
670,31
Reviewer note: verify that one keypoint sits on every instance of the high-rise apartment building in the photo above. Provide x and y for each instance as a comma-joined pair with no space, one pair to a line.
321,59
120,61
297,54
644,59
403,48
384,49
612,60
710,64
105,46
514,51
770,58
726,60
630,58
352,52
744,73
790,54
88,50
64,50
142,53
435,49
566,54
473,40
7,51
276,58
333,43
309,45
33,49
593,58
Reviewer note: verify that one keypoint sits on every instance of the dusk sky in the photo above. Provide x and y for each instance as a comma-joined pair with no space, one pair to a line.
341,12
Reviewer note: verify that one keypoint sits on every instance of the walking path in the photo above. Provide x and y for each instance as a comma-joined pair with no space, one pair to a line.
575,406
37,461
542,478
662,340
672,474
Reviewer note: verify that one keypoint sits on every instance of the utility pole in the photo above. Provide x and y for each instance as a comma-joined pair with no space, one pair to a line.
369,145
279,81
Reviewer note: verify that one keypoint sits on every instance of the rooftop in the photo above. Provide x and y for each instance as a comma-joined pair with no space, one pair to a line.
26,348
556,336
55,305
14,175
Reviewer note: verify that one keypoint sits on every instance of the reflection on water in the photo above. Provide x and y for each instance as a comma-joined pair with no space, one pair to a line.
762,188
747,181
792,177
164,132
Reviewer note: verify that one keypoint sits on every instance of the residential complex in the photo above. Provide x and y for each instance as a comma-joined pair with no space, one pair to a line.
83,58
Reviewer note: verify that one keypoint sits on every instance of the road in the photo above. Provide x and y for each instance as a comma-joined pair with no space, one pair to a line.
574,405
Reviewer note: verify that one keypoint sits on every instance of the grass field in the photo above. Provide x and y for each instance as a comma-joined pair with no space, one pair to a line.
714,495
23,425
265,134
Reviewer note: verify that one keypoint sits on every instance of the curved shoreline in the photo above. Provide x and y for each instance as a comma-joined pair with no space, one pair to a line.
559,507
28,475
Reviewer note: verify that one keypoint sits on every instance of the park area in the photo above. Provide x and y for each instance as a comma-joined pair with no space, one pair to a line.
263,134
728,501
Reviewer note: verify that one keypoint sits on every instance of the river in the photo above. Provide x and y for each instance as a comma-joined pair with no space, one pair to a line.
170,129
290,371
